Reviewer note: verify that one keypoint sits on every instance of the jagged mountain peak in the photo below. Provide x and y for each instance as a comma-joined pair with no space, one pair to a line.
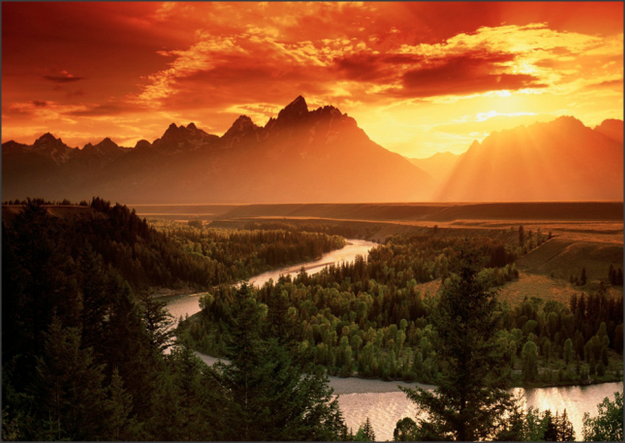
107,143
46,138
294,110
242,123
299,102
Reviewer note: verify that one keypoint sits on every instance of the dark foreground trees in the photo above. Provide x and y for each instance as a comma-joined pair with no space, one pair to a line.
608,425
267,393
471,401
82,354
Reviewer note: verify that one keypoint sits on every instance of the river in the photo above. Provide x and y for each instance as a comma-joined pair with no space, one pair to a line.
383,402
182,305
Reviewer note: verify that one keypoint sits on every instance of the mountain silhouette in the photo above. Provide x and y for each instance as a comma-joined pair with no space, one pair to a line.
561,160
299,156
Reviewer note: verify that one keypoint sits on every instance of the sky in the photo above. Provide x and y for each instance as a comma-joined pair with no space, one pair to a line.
418,77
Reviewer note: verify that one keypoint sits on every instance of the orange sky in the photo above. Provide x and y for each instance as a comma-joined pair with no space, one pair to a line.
418,77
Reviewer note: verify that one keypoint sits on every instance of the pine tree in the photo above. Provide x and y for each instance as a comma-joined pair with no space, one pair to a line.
565,428
269,396
119,406
568,351
158,322
530,356
68,388
471,400
365,432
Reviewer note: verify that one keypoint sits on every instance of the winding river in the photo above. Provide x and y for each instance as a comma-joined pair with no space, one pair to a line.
383,402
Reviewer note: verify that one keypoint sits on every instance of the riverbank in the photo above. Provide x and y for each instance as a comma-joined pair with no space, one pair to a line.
360,385
384,403
348,385
346,253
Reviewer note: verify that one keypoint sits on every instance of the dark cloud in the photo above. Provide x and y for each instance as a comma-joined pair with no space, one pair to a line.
16,111
62,78
465,74
609,84
40,103
107,109
363,67
370,67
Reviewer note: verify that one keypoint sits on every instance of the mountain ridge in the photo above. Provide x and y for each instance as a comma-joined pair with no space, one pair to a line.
322,156
560,160
300,154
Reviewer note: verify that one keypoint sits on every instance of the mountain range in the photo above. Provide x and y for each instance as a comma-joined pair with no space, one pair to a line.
320,156
561,160
300,156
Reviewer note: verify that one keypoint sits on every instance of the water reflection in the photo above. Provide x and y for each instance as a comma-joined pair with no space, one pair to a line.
385,409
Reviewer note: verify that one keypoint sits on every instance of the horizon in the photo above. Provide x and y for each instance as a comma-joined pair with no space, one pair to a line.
390,66
182,125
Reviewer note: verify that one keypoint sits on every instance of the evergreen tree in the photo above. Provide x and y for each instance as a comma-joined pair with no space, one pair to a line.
530,356
568,351
565,428
68,389
365,432
269,396
471,400
119,406
158,322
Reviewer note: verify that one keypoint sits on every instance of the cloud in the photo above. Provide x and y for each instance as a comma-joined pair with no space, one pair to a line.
59,79
381,62
63,77
466,74
41,110
108,109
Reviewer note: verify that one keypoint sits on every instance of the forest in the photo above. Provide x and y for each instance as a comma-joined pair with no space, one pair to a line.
92,356
85,356
369,318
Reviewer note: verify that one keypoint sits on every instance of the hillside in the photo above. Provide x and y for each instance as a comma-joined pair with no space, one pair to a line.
299,156
562,160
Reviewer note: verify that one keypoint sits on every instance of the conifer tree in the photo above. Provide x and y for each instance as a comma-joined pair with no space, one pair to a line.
269,396
68,389
471,400
365,432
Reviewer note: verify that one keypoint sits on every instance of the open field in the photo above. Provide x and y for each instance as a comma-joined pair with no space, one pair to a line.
437,212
